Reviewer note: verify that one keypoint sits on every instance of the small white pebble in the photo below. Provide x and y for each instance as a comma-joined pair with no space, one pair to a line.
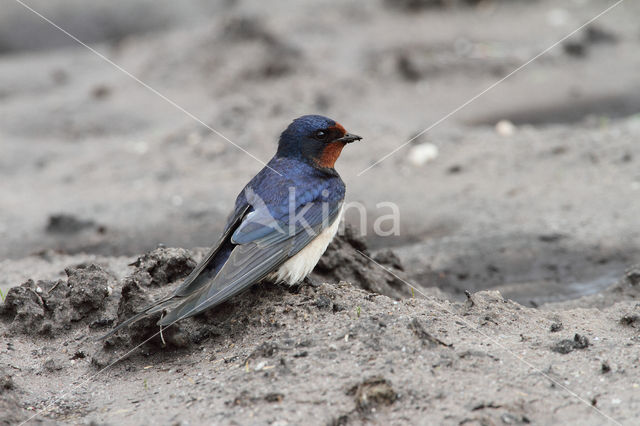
109,290
260,366
422,154
505,128
38,290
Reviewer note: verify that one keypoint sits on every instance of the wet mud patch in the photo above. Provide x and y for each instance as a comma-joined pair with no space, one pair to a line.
612,106
419,62
626,288
531,269
64,223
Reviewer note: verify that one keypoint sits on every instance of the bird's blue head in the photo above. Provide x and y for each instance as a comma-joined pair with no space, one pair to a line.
315,139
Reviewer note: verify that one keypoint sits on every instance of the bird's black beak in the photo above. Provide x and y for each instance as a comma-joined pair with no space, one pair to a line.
348,138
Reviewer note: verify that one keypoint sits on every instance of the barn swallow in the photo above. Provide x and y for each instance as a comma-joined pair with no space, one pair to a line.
282,223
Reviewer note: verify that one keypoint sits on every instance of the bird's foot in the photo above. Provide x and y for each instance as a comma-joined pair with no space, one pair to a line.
311,282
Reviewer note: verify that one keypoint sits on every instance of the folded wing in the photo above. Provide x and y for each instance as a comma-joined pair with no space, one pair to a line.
253,244
261,247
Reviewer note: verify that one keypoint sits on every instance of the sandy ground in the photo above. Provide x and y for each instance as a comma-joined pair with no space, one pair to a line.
325,354
96,169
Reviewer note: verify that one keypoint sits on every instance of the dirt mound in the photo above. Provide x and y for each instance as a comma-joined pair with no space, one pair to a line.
47,307
348,259
154,272
164,265
627,288
157,271
135,296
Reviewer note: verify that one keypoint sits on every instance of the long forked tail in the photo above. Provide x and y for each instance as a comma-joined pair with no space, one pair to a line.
156,307
197,279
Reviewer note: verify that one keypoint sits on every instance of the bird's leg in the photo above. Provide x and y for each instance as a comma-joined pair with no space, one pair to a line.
164,344
311,282
307,281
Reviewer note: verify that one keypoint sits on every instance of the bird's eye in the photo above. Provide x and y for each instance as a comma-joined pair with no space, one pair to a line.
320,134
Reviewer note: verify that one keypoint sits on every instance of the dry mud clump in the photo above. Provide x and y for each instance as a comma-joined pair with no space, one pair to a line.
348,259
164,265
153,272
46,307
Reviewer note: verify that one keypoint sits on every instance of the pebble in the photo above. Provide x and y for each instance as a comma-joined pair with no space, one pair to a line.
422,154
505,128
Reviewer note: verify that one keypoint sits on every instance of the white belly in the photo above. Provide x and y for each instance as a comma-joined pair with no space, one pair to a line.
302,263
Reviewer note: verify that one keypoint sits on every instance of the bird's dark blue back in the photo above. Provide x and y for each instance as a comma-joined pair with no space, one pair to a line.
308,183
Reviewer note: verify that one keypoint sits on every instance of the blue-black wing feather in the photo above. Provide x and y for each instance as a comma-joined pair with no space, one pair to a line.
254,259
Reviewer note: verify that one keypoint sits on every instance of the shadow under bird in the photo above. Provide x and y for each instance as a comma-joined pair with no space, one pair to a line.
282,223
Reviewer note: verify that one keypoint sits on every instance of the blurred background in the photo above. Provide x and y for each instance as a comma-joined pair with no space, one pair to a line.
533,188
